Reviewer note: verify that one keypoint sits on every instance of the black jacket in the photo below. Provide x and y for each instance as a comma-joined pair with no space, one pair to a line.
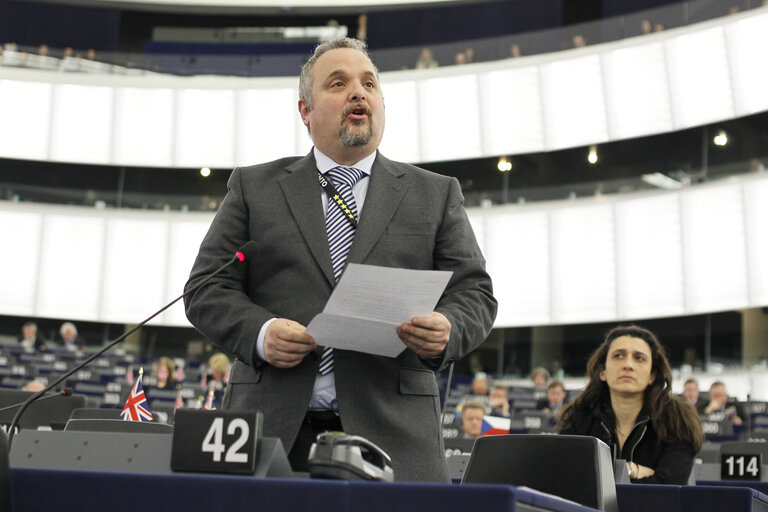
671,461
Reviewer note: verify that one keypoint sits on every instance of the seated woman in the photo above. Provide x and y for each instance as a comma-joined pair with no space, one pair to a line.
629,405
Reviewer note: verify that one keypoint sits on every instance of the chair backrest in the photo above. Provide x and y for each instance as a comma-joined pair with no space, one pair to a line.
577,468
95,413
43,412
744,447
107,425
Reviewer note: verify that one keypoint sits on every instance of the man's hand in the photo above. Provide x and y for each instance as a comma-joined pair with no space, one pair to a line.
286,343
426,335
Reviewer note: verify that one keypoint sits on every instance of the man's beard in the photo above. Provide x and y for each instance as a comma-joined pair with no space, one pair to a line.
357,134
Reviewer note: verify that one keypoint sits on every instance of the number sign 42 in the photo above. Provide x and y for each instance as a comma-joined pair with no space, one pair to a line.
215,441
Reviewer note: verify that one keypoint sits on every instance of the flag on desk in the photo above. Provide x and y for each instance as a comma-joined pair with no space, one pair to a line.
209,405
136,407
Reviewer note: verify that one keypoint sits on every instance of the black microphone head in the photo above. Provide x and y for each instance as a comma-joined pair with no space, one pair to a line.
67,392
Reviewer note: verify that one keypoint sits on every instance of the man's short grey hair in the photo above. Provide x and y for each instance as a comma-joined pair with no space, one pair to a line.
305,78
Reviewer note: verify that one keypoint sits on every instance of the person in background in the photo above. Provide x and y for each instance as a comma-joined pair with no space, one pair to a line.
721,403
30,338
499,399
219,366
691,395
540,377
165,373
472,419
70,339
426,60
628,404
556,398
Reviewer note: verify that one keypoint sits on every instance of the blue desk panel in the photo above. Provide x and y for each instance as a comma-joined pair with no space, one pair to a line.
77,491
689,498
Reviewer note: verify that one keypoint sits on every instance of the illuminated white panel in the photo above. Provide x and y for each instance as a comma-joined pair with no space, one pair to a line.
649,257
583,264
401,135
699,78
81,128
205,128
266,122
747,45
518,256
144,127
26,110
574,107
449,118
714,249
135,267
19,260
186,237
510,105
756,213
70,267
637,94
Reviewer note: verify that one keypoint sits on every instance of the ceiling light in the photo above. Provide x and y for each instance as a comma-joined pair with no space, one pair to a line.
205,172
660,180
721,139
504,165
592,156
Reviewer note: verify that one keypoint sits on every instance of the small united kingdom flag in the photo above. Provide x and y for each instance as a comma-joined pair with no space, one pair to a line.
136,407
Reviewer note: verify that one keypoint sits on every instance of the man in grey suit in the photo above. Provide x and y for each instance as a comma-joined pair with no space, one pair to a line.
407,218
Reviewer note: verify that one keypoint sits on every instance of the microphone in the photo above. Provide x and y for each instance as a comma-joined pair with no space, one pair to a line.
63,392
238,257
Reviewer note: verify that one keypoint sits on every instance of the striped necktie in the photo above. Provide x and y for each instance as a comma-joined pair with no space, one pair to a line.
341,233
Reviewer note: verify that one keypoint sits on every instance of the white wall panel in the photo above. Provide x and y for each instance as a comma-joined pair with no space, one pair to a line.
649,257
81,125
756,213
135,267
144,127
449,118
510,106
266,126
186,236
71,266
401,135
583,264
637,94
699,78
714,248
205,124
574,103
19,260
518,260
747,41
25,120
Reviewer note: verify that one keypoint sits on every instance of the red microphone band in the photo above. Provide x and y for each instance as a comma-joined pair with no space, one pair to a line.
240,256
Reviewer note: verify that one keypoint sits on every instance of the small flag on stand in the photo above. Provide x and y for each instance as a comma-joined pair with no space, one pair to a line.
136,407
209,405
179,399
203,376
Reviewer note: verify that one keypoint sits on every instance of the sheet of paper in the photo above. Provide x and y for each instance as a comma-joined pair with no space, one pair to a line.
368,304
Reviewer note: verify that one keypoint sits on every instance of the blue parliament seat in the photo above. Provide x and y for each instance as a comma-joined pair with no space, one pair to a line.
690,498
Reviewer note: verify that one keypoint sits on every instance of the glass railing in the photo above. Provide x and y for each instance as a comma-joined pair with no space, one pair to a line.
473,198
287,63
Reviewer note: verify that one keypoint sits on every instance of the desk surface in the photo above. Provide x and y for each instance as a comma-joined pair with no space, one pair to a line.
689,498
67,491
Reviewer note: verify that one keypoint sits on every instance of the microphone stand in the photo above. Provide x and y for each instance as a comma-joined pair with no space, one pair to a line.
239,256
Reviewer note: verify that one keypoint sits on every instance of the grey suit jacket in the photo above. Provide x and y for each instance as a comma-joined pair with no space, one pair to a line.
411,219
